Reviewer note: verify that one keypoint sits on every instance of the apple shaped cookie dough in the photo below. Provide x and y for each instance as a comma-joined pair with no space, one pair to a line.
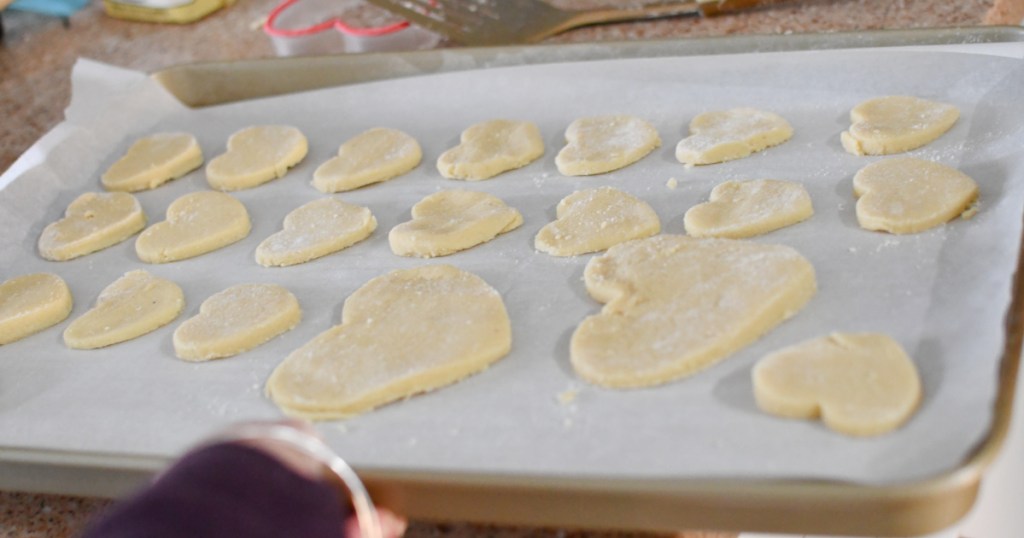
153,161
595,219
604,143
725,135
236,320
449,221
490,148
197,223
858,384
133,305
255,156
675,305
93,221
371,157
739,209
403,333
31,303
895,124
315,230
907,195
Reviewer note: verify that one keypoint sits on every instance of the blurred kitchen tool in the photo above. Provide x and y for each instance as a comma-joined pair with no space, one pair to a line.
163,11
503,22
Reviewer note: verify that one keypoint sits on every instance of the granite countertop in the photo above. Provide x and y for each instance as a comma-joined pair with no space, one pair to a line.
37,54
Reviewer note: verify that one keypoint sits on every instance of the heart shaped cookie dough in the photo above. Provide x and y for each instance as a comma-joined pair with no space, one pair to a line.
93,221
31,303
725,135
490,148
371,157
153,161
133,305
595,219
740,209
895,124
255,156
604,143
449,221
908,195
676,304
197,223
403,333
236,320
314,230
859,384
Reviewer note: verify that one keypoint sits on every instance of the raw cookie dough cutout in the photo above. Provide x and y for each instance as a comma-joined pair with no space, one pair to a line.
725,135
255,156
370,157
858,384
604,143
490,148
895,124
236,320
197,223
133,305
31,303
153,161
675,305
449,221
315,230
907,195
594,220
738,209
93,221
403,333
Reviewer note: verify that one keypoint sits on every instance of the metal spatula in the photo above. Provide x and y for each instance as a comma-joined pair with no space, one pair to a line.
504,22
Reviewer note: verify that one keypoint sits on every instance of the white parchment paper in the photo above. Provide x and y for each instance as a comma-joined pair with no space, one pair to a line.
942,294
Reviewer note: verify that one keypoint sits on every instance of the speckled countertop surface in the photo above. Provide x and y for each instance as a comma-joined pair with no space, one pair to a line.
37,54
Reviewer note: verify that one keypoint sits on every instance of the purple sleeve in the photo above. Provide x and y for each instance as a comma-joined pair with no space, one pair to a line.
227,490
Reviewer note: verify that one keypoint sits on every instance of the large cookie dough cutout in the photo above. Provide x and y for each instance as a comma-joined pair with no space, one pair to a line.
133,305
604,143
738,209
725,135
315,230
197,223
490,148
676,304
449,221
403,333
153,161
895,124
594,220
858,384
31,303
371,157
255,156
908,195
93,221
236,320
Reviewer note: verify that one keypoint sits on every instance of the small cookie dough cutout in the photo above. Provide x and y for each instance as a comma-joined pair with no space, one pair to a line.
371,157
726,135
315,230
197,223
153,161
449,221
604,143
858,384
594,220
32,303
93,221
490,148
738,209
675,305
907,195
895,124
236,320
135,304
401,334
255,156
